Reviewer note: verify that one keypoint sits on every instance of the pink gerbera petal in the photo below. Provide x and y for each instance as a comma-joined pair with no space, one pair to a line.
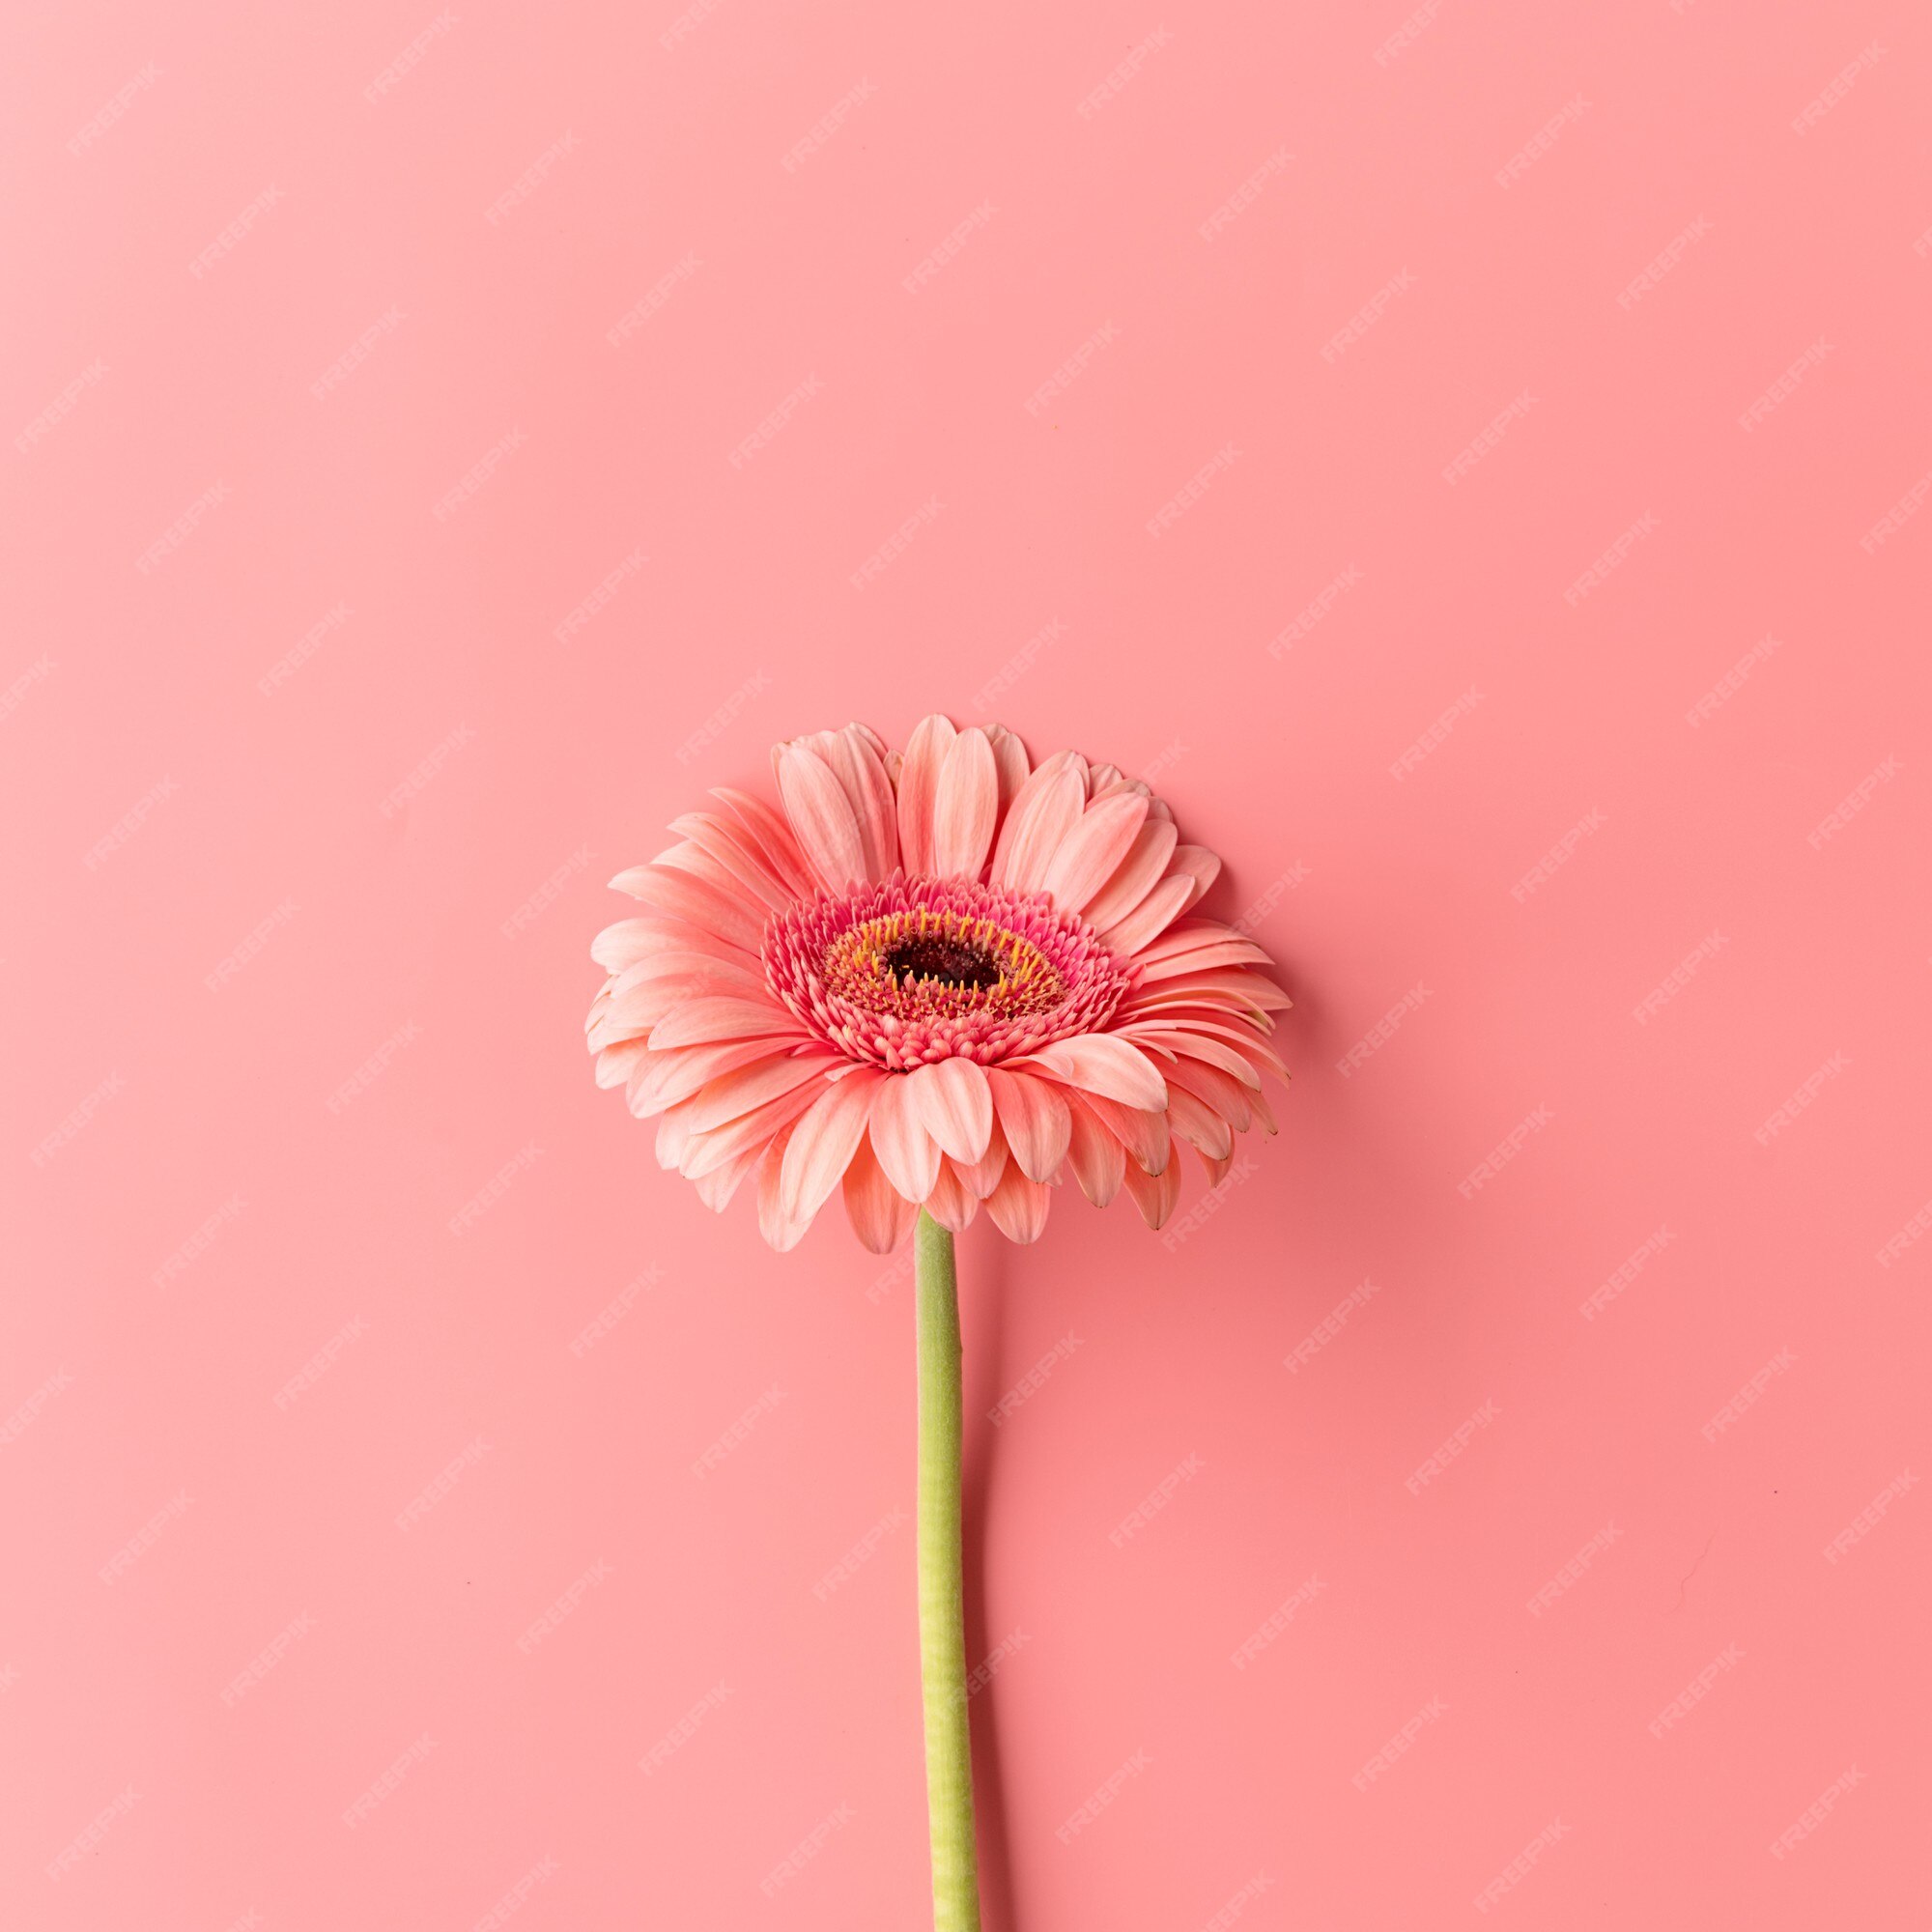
1165,903
1191,1044
1010,756
908,1153
823,1143
1035,1118
1154,1194
1018,1206
965,808
1230,951
624,944
696,1021
918,787
616,1063
723,914
662,1080
739,854
700,1151
716,1187
1227,1095
733,1094
779,1233
982,1176
822,817
1195,1122
1088,855
1093,1154
672,980
1043,812
1141,1130
955,1106
881,1216
1135,876
774,836
861,773
1199,864
1103,1063
952,1203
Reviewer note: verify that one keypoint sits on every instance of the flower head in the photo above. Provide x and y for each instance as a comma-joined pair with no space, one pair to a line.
933,978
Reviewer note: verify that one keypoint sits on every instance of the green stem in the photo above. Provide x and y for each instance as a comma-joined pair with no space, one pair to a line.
941,1628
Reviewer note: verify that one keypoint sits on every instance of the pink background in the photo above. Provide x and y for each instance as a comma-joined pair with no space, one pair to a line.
263,319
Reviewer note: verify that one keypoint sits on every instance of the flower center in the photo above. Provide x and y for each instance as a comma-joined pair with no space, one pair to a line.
909,972
952,962
931,962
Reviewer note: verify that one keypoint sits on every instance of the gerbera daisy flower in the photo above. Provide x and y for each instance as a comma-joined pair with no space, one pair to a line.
937,977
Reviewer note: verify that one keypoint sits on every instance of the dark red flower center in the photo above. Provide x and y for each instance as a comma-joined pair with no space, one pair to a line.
914,971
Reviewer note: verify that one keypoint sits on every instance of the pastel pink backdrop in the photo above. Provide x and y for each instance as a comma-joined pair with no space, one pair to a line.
382,580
